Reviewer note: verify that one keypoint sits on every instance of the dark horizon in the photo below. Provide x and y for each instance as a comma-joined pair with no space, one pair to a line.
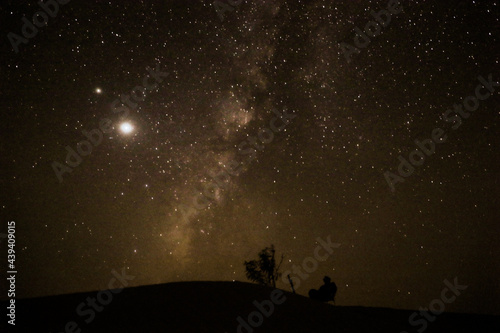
302,293
233,307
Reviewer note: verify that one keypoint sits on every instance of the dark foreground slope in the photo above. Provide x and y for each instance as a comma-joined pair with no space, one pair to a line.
214,307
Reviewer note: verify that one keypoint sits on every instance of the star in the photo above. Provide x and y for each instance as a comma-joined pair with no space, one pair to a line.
126,128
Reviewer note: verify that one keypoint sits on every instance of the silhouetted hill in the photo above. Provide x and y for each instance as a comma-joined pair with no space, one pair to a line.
215,306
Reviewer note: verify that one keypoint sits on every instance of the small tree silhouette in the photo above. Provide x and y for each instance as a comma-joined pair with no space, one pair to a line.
264,271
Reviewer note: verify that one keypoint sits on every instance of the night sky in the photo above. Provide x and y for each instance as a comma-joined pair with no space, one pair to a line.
216,86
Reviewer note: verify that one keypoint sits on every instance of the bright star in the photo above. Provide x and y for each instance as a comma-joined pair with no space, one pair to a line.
126,128
98,90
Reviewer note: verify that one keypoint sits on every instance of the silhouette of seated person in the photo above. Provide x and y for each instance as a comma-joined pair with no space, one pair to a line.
326,292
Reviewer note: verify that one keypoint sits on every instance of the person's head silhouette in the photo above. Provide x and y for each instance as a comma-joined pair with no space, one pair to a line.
327,280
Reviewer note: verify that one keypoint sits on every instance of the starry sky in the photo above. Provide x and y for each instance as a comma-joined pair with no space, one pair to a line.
130,202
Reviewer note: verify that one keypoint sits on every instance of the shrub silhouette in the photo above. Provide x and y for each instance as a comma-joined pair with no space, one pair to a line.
264,271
